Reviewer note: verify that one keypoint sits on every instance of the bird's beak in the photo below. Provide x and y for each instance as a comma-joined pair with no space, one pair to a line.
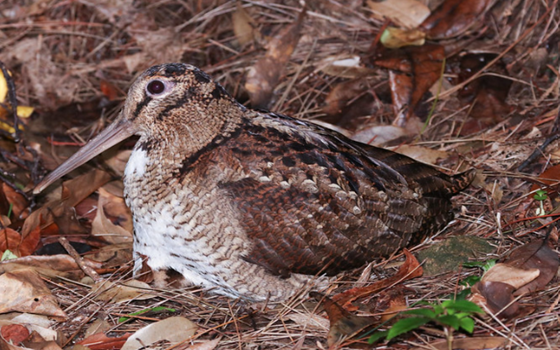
120,130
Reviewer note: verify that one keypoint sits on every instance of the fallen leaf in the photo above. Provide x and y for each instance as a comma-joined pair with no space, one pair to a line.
10,240
342,323
406,13
97,326
394,38
14,333
265,74
379,135
409,269
207,345
422,154
308,320
453,17
39,324
103,227
342,97
24,291
487,94
73,192
17,200
496,296
173,329
413,72
515,277
243,25
62,265
122,292
535,255
101,341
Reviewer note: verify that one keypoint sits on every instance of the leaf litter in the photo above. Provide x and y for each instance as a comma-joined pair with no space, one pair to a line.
494,106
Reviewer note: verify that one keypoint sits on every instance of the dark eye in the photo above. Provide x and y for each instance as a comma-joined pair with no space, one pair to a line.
155,87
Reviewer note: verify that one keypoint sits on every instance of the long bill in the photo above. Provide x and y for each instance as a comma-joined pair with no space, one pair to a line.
120,130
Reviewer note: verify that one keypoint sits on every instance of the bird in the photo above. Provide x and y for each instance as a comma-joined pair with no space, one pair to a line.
252,204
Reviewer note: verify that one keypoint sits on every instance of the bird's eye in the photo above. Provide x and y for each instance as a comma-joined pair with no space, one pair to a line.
155,87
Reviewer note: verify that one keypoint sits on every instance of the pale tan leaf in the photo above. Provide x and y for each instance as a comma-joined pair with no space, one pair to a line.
406,13
173,329
24,291
511,275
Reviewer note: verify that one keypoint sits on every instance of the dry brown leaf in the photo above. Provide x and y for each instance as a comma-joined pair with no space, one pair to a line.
36,341
341,94
101,341
496,296
10,239
207,345
515,277
38,324
309,321
422,154
103,227
342,323
413,72
409,269
243,25
17,200
265,74
454,17
73,192
24,291
406,13
14,333
52,266
97,326
122,292
117,162
535,255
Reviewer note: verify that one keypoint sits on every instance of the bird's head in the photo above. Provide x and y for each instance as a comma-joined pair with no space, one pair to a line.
174,104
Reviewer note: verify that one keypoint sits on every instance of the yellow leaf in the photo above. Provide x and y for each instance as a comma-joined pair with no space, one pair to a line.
24,111
3,87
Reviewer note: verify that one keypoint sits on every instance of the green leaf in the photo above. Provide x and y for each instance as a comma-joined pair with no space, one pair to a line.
462,305
8,255
489,264
540,195
375,337
449,320
421,312
438,309
467,324
406,325
470,281
462,295
485,265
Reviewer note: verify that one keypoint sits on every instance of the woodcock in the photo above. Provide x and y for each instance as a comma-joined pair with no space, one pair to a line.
253,204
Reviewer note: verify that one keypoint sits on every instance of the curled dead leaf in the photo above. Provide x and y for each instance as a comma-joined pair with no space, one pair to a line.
265,74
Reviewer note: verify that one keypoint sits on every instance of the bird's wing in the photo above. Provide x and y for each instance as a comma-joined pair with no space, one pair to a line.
316,202
297,231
